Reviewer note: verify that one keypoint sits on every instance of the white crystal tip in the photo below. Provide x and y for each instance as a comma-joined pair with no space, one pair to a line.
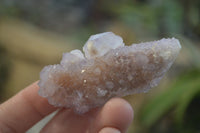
100,44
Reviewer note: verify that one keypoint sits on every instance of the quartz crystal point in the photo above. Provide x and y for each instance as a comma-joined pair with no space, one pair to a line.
109,69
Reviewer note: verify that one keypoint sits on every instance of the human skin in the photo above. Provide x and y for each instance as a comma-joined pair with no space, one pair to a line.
26,108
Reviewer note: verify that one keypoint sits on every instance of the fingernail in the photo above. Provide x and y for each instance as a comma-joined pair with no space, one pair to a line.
109,130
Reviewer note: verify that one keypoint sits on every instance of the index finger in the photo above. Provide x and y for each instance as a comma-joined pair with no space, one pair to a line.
23,110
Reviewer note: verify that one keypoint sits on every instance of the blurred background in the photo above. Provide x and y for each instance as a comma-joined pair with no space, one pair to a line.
36,33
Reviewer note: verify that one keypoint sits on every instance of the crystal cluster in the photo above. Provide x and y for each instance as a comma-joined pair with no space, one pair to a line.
107,70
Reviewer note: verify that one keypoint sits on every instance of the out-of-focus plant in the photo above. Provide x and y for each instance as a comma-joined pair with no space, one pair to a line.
4,68
176,108
176,98
157,17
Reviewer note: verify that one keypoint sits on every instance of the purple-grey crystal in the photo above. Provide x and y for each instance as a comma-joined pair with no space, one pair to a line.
107,70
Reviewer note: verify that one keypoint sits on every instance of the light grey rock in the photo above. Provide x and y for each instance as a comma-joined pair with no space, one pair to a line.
82,83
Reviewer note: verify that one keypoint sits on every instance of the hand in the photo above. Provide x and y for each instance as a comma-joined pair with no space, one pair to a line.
21,112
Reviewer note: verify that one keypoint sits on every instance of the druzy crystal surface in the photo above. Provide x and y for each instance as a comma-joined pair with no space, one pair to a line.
107,70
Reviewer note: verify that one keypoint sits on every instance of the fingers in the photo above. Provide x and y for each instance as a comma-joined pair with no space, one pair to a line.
23,110
114,117
117,113
26,108
109,130
66,121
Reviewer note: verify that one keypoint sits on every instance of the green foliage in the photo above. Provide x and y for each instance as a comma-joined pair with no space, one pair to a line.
179,94
4,68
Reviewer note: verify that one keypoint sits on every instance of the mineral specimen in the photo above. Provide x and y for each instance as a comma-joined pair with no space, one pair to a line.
109,69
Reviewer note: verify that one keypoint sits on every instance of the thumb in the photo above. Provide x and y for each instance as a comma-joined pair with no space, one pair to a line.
109,130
